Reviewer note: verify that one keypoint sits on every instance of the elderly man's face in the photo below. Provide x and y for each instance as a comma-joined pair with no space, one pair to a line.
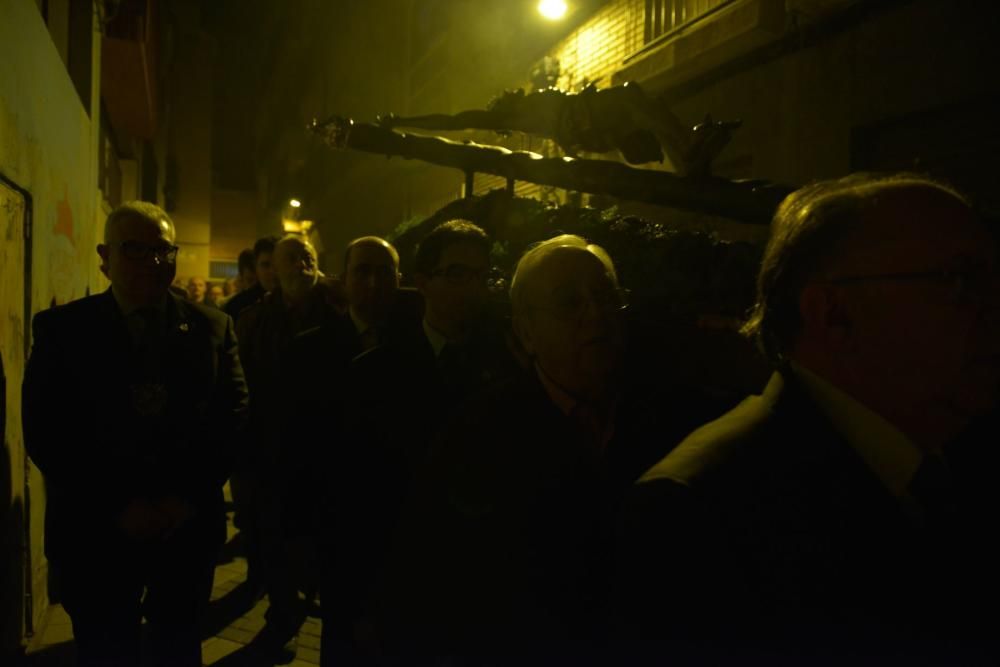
295,266
139,259
923,347
572,323
196,289
371,278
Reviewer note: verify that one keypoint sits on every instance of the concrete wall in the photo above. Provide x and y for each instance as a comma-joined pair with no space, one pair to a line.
48,147
801,111
189,142
234,223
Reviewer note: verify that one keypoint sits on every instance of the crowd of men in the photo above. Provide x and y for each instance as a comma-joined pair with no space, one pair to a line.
453,487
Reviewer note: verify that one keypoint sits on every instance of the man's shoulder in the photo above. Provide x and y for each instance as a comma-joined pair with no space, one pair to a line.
73,311
215,318
715,447
335,340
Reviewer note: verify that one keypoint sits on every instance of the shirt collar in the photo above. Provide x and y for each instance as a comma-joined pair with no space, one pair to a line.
892,456
434,337
127,311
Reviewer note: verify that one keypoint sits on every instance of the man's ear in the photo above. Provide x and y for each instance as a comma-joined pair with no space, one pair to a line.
523,333
104,251
824,314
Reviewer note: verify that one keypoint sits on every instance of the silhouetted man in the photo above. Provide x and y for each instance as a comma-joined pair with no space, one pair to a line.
266,329
420,375
505,543
261,275
822,515
132,404
318,367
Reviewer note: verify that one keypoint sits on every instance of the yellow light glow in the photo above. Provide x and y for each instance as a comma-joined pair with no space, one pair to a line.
552,9
291,226
294,203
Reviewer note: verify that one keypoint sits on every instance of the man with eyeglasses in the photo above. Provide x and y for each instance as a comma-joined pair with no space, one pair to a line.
829,514
457,348
398,393
133,402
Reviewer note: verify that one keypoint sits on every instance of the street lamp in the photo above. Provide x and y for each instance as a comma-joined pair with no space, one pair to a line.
552,9
294,203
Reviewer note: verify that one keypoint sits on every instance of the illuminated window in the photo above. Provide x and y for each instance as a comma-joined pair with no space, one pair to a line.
665,16
223,269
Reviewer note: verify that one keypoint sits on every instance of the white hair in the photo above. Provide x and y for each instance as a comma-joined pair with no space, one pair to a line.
534,256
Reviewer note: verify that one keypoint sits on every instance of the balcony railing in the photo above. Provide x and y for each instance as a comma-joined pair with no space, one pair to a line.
666,17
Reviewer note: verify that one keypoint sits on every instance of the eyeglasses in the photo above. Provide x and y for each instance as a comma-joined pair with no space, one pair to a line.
461,274
137,251
569,305
963,285
368,271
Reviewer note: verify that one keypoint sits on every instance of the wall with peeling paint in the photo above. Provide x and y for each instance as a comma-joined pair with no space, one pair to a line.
48,147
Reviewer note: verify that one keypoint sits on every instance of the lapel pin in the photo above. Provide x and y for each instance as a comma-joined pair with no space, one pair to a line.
184,327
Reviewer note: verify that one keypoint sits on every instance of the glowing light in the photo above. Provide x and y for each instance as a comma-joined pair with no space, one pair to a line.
294,203
552,9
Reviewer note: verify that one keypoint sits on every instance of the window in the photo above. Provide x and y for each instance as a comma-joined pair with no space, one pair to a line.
666,16
223,269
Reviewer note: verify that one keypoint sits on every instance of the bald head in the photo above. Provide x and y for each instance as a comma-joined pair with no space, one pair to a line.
530,268
566,305
371,276
295,264
370,242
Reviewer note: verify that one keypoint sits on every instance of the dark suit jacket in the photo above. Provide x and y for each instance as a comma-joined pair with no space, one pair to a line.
320,394
243,300
83,427
506,541
764,527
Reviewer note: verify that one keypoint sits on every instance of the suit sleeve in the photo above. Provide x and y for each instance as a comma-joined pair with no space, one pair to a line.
670,570
229,410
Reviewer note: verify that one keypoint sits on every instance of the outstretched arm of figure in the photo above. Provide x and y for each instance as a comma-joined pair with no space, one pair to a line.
465,120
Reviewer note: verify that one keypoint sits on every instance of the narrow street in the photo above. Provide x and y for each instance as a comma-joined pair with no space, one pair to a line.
231,624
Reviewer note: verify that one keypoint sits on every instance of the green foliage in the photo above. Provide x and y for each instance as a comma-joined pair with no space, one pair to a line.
675,275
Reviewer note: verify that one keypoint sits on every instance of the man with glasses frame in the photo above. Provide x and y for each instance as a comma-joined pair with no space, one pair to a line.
421,373
830,514
133,401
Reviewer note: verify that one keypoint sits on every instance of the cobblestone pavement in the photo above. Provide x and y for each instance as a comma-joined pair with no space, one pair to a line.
232,622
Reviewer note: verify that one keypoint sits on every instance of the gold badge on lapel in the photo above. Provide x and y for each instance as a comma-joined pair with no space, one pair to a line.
184,327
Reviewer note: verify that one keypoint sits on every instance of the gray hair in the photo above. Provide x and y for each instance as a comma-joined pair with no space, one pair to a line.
810,230
536,254
297,240
135,209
